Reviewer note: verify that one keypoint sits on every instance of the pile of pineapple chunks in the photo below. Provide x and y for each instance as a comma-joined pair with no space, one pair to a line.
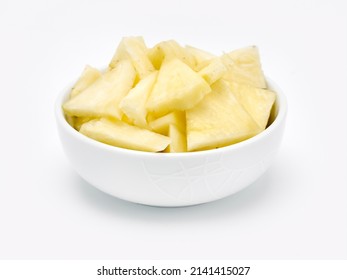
170,98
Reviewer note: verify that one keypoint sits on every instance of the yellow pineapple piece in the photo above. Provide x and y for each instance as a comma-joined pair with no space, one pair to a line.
202,58
127,120
151,117
257,102
102,98
88,77
178,140
174,126
70,120
200,55
134,48
168,50
120,134
244,67
79,121
213,71
218,120
178,87
162,124
76,122
134,103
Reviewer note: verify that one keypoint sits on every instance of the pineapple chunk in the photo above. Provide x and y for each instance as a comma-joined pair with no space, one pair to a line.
71,120
120,134
244,67
218,120
202,58
199,55
168,50
213,71
178,140
161,125
79,121
134,104
257,102
151,117
174,126
102,98
178,87
76,122
134,48
89,76
127,120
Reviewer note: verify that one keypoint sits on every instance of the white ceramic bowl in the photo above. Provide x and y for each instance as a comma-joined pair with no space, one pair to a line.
181,179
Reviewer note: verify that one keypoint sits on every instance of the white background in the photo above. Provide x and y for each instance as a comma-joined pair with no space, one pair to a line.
297,210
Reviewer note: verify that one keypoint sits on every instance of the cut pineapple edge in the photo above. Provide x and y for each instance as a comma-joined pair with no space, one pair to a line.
171,98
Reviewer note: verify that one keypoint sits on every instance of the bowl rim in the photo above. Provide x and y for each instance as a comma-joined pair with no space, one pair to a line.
282,107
